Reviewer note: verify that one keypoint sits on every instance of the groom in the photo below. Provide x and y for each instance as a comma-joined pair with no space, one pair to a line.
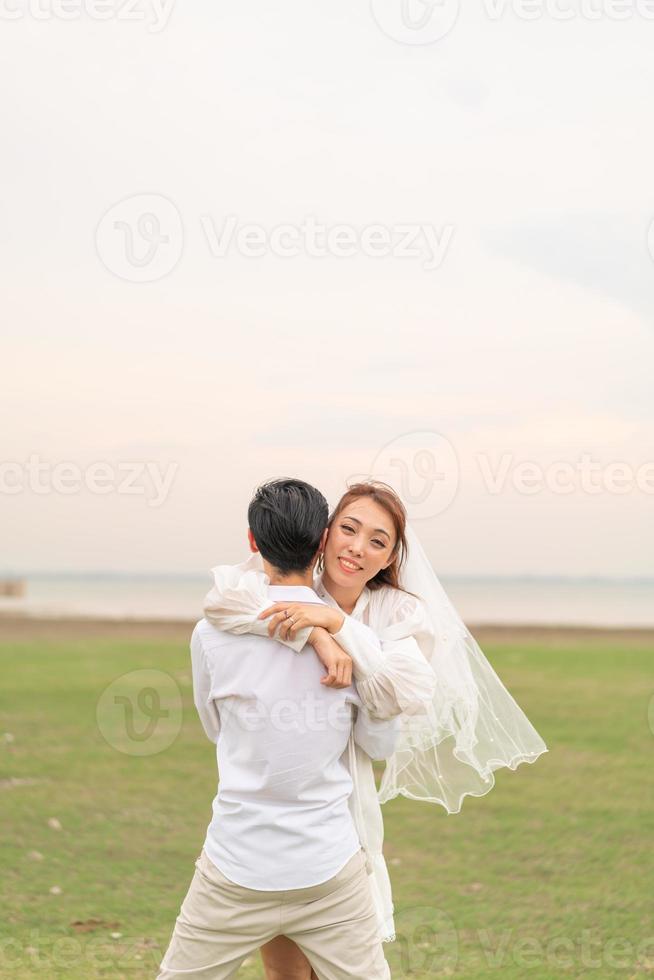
281,854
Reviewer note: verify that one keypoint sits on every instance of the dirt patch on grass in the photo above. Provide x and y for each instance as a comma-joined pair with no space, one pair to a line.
26,628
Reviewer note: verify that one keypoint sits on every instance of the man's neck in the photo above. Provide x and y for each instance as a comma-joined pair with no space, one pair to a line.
291,578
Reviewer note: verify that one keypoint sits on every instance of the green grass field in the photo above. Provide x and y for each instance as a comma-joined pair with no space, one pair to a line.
550,875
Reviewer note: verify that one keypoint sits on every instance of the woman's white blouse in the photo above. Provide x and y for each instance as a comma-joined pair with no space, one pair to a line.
390,669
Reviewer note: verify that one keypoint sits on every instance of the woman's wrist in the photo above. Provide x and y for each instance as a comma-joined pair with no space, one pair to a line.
317,636
336,620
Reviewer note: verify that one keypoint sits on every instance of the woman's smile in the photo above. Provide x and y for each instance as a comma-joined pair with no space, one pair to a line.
348,566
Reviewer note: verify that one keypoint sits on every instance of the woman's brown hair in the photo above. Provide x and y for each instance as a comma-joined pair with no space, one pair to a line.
386,497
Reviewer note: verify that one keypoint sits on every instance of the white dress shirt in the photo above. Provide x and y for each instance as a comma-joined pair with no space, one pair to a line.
388,635
282,817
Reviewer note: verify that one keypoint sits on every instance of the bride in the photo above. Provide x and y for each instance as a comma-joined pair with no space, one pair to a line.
415,659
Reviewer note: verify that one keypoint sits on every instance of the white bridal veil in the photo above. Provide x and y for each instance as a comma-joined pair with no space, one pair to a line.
472,727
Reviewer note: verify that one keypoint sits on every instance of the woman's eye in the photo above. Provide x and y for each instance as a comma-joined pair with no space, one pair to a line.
348,527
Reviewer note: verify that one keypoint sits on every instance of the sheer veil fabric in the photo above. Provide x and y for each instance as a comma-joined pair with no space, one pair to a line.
472,727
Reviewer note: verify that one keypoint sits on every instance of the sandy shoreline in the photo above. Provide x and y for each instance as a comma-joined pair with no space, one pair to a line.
26,628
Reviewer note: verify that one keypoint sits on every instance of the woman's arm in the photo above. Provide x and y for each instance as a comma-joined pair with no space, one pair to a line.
239,603
239,593
335,660
390,665
391,669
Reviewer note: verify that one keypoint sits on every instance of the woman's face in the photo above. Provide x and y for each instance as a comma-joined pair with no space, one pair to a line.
360,542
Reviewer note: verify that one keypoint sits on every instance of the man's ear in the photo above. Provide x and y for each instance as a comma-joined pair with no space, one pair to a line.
251,541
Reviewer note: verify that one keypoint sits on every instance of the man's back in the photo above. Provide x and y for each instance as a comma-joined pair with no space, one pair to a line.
282,855
281,818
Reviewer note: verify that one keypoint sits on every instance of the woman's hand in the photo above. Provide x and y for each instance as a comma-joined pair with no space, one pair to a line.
336,661
292,616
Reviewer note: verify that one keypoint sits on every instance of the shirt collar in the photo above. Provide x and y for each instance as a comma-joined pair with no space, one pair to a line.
293,593
323,594
281,593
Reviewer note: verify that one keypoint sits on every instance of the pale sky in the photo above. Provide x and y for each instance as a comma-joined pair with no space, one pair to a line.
526,147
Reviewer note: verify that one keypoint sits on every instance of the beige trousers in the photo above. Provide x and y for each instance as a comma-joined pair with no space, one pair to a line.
220,923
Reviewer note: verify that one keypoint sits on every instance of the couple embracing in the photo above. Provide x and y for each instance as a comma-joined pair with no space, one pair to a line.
332,646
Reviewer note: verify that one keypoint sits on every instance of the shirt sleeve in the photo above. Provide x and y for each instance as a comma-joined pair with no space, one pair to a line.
260,628
362,645
391,664
239,593
377,737
206,707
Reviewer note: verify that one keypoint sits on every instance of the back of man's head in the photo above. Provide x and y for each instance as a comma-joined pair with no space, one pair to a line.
287,519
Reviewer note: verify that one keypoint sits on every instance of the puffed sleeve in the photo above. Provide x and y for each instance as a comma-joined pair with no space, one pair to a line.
239,593
376,736
402,679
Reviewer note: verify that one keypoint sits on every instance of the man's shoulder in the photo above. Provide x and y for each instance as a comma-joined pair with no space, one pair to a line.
209,636
294,593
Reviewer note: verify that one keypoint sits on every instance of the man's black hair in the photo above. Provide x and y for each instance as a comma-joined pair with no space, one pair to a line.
287,518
